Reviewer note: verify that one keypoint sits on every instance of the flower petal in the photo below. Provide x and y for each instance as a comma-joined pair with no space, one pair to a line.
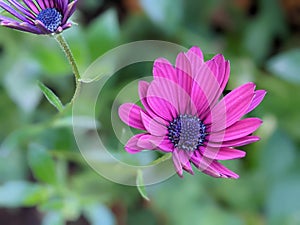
184,72
223,153
234,143
150,142
238,130
177,163
21,8
21,26
13,12
195,57
203,164
70,10
231,108
225,172
32,6
204,90
131,115
143,89
162,68
162,98
258,97
152,126
131,145
184,158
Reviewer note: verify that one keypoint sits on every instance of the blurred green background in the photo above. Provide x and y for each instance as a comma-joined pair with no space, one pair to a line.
44,179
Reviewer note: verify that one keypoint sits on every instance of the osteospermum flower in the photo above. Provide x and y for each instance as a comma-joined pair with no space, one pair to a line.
184,114
38,16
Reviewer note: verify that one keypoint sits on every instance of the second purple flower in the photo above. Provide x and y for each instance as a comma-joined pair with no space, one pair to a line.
38,16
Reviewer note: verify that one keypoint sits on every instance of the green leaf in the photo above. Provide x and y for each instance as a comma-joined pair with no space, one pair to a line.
283,202
159,13
21,193
42,164
286,65
51,97
103,34
20,84
68,205
279,162
165,157
140,185
53,218
99,214
46,52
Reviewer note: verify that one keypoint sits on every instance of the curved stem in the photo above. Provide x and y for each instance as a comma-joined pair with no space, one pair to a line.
66,49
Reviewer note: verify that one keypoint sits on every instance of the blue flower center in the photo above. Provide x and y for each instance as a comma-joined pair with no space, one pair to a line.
51,18
187,132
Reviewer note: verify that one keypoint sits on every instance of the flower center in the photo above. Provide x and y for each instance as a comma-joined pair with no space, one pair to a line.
187,132
51,18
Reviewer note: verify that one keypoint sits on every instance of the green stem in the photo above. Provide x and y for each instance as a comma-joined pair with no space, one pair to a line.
66,49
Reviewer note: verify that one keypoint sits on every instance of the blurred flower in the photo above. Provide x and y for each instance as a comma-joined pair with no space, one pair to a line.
38,16
184,115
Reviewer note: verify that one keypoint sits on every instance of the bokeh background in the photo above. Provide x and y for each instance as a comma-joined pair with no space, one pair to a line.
44,179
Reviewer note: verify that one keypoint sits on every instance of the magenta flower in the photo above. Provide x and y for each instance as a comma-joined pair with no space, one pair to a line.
38,16
184,115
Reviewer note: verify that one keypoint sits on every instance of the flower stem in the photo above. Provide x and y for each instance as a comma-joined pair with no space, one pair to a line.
66,49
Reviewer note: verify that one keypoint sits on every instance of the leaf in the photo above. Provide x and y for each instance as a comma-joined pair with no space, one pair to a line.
103,34
85,122
283,202
48,54
20,81
159,12
165,157
281,153
53,218
286,65
42,164
140,185
21,193
99,214
51,97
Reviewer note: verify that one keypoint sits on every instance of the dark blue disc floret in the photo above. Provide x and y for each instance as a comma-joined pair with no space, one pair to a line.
51,18
187,132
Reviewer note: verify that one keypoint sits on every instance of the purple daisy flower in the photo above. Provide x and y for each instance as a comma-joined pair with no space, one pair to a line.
184,114
38,16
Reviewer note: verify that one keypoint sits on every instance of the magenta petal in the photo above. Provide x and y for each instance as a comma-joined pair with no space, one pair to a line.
162,98
31,5
238,130
143,89
204,90
177,163
225,172
185,161
164,69
184,72
131,115
185,81
223,70
203,164
223,153
235,143
258,97
152,126
231,108
195,57
149,142
70,10
131,146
